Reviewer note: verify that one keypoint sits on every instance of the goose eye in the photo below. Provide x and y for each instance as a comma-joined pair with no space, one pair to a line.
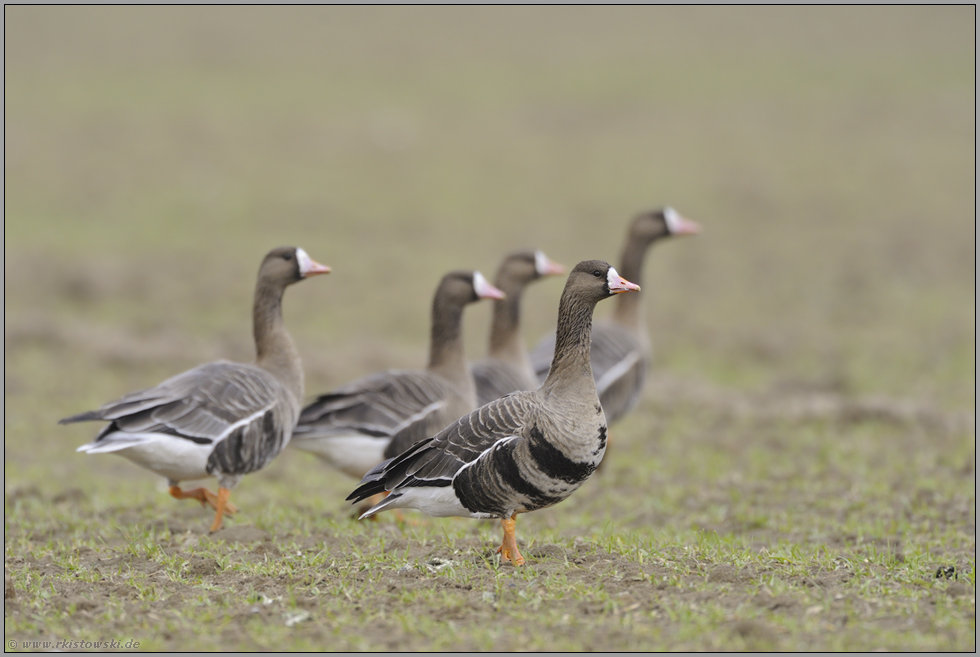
597,274
287,257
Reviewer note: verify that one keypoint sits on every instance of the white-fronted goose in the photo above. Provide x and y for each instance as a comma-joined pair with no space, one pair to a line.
221,419
350,427
523,452
621,346
507,367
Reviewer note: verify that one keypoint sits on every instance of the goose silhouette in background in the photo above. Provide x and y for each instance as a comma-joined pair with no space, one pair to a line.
507,366
621,345
350,427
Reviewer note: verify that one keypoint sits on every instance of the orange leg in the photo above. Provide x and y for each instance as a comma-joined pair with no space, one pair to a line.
508,549
202,495
221,508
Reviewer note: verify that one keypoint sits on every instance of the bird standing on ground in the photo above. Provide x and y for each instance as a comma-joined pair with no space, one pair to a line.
350,427
221,419
523,452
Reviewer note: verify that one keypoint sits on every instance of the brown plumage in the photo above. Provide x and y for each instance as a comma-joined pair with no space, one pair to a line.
351,427
526,451
507,366
221,419
621,346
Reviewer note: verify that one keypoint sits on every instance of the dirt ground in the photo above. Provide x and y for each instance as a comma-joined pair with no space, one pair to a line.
800,472
789,561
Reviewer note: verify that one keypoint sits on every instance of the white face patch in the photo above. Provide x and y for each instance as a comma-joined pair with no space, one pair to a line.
619,285
611,278
673,220
482,288
304,260
540,263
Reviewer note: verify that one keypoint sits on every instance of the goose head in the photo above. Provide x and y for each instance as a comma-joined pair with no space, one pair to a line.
657,224
287,265
459,288
595,280
522,267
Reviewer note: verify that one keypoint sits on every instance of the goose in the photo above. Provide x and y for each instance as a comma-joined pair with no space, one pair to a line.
508,367
350,427
621,346
523,452
221,419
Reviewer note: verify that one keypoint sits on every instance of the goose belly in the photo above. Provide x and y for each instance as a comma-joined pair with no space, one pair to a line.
177,459
436,501
353,453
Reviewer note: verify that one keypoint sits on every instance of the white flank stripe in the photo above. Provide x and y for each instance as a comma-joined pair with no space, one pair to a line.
616,371
485,452
412,419
251,418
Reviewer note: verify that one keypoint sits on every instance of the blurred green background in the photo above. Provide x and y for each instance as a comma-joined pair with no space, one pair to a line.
153,155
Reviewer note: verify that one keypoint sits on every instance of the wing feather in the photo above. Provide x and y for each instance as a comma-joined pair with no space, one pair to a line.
495,378
378,404
208,402
402,405
435,461
619,366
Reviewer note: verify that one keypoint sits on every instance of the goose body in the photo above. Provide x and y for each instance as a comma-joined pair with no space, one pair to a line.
221,419
620,348
620,361
507,367
526,451
351,428
495,378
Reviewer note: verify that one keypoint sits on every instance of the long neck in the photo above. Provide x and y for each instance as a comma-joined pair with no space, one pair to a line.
571,366
505,339
446,355
629,307
274,349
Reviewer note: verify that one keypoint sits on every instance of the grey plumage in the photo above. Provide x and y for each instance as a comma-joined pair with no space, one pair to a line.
409,404
240,410
507,367
498,459
523,452
621,346
221,419
495,378
352,427
620,362
379,404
